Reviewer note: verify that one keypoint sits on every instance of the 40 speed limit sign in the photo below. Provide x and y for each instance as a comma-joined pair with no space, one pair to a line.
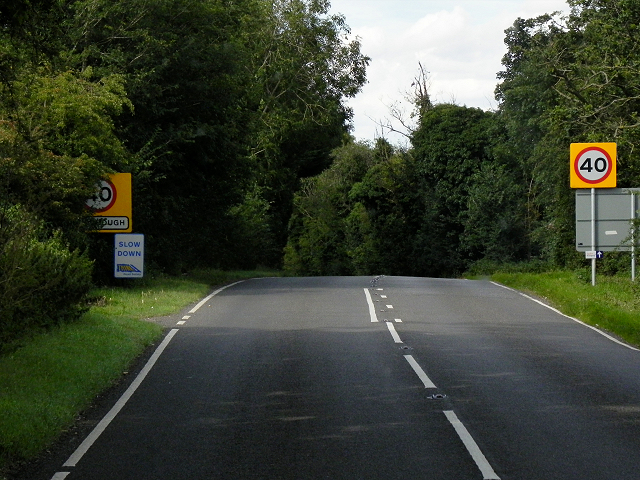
112,204
593,165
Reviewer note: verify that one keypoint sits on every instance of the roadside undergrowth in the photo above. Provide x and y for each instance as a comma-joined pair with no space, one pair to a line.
49,378
613,304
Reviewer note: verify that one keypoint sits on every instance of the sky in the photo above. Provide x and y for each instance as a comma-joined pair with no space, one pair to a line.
459,42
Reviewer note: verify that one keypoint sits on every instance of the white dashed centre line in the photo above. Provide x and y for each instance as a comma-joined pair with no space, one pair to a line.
472,447
418,369
394,334
60,475
372,308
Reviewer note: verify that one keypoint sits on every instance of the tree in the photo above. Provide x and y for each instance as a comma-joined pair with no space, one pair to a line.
304,69
450,147
183,65
233,102
388,210
570,80
57,139
317,243
419,98
359,216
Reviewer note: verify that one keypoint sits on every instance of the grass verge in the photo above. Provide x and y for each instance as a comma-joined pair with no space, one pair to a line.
613,304
47,381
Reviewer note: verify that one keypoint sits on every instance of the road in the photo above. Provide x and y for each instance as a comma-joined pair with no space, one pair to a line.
361,378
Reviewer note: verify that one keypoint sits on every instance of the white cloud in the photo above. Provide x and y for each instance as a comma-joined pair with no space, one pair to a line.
460,42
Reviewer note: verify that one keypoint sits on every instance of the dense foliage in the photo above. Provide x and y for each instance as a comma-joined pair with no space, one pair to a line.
230,115
453,199
567,80
40,279
218,108
485,186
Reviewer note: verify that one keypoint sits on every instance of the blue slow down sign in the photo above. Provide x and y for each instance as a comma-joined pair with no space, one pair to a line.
128,255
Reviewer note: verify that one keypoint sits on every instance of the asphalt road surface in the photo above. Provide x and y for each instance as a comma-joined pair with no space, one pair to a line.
361,378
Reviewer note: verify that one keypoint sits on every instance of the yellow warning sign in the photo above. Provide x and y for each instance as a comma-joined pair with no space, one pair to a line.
112,204
593,165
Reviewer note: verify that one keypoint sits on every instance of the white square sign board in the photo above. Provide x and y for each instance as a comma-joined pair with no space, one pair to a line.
128,253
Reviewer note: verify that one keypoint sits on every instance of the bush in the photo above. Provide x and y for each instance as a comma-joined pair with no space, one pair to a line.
489,267
42,282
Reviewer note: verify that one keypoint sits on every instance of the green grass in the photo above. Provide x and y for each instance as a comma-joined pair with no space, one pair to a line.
613,304
160,296
47,381
152,299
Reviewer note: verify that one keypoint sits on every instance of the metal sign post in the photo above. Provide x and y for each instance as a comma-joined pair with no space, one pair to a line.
633,238
593,235
592,165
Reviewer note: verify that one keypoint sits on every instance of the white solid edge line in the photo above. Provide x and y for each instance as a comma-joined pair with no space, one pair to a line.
418,369
472,447
372,308
104,423
394,334
567,316
209,297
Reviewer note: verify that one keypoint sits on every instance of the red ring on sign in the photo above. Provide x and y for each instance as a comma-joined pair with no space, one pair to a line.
576,168
113,198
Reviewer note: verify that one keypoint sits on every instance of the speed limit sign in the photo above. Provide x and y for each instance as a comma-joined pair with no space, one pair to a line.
104,198
111,203
593,165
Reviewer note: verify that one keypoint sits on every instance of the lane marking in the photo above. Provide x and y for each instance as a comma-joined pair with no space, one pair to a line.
418,369
390,307
60,475
181,322
372,309
104,423
383,296
567,316
472,447
394,334
209,297
398,320
186,317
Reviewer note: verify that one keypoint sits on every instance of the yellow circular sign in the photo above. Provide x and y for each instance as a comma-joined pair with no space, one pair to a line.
593,165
